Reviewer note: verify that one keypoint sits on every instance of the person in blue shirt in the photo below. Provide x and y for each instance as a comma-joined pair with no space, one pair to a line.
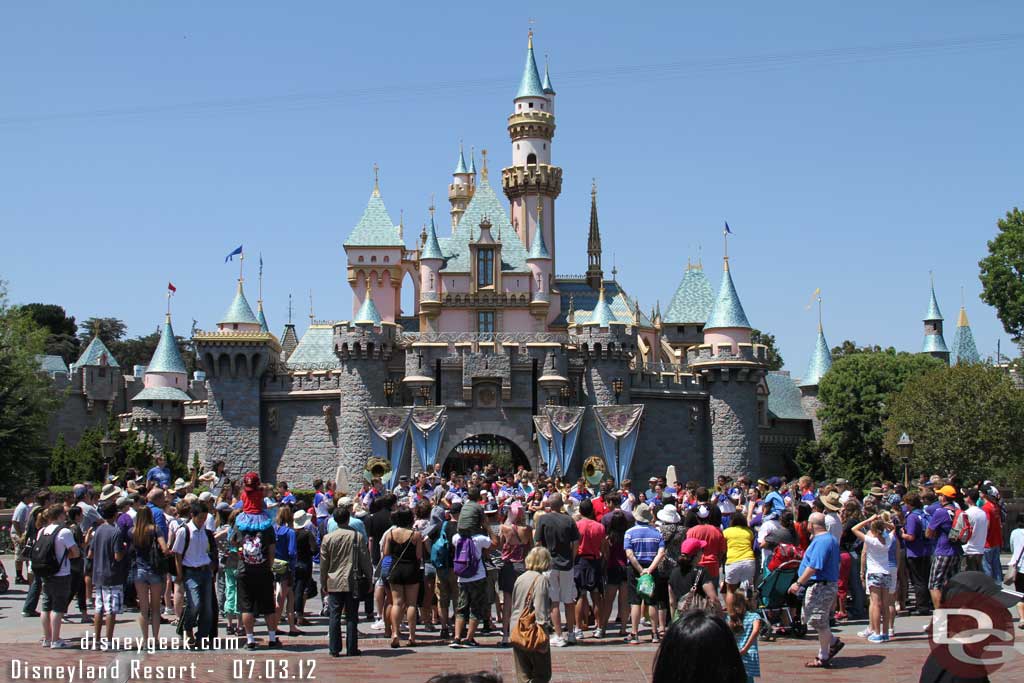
773,500
819,574
287,497
160,474
645,549
285,553
355,523
155,502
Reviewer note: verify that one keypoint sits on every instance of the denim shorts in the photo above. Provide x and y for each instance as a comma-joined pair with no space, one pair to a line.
878,580
147,576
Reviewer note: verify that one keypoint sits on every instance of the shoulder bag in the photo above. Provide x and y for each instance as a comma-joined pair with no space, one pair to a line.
527,634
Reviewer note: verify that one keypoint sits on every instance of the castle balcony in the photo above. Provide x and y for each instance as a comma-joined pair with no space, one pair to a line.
473,341
124,422
518,181
488,300
650,381
195,411
754,355
531,124
410,255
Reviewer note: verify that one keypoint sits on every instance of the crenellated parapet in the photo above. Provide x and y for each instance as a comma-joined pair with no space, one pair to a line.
360,341
531,179
531,124
706,355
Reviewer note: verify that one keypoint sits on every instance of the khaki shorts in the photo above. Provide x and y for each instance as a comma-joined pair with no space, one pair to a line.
446,588
818,603
561,586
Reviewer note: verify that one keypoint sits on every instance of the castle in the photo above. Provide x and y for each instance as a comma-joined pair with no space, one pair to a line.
494,336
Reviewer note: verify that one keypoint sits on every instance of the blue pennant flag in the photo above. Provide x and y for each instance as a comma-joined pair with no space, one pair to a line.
232,255
727,228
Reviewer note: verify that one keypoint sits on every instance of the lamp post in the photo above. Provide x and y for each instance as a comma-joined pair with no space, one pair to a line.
551,400
905,447
425,394
565,392
617,387
107,446
389,390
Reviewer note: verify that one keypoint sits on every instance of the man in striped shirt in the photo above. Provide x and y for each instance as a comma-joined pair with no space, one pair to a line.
645,549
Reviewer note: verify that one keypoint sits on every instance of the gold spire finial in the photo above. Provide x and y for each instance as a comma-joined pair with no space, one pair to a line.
529,36
376,180
483,171
961,320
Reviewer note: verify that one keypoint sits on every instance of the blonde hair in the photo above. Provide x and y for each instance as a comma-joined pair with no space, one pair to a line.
538,559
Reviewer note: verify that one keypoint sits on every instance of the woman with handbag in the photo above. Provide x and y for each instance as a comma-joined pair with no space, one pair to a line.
402,555
148,570
531,617
690,585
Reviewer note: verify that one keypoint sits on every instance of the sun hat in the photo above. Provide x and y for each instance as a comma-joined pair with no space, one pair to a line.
841,482
947,491
669,514
179,484
123,500
876,491
690,546
110,491
205,496
642,513
300,519
831,501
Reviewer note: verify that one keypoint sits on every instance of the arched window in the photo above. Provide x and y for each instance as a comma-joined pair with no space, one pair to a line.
373,259
361,259
531,158
387,259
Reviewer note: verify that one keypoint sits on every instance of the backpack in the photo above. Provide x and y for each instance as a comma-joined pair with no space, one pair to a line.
961,529
441,552
251,550
44,555
467,557
784,553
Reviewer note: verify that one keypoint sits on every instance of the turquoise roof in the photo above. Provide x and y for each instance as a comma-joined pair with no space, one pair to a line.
934,343
539,250
316,349
461,166
530,85
693,299
821,361
93,354
933,308
602,315
239,312
472,162
431,249
727,310
584,301
368,312
964,350
485,203
784,397
262,318
167,357
546,85
51,364
375,228
162,394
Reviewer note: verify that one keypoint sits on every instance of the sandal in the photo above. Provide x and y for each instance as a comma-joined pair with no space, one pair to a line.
817,664
834,648
395,644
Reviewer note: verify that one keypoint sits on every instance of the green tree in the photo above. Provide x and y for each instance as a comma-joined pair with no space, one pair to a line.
967,419
855,395
1002,273
849,347
26,398
61,340
775,361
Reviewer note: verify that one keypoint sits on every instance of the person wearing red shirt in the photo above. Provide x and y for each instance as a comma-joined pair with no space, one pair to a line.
599,505
714,550
588,571
994,538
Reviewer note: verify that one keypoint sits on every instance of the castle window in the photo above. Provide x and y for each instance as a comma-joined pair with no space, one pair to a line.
542,107
531,158
149,404
519,106
485,268
361,259
234,326
485,321
531,105
373,259
387,259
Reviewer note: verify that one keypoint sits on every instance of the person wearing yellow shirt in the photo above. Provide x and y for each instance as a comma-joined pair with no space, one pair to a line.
739,556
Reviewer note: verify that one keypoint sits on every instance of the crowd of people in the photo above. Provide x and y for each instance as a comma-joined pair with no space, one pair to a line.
459,555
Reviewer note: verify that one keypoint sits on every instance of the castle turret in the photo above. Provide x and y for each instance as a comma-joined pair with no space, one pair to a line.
158,409
688,311
374,251
934,343
539,260
732,368
532,180
595,275
460,192
235,358
546,86
431,261
821,361
364,347
964,351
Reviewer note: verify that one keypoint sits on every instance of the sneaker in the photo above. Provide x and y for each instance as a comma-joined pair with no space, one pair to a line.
456,644
32,614
886,636
577,634
44,642
377,625
599,633
632,640
645,622
445,633
558,642
275,644
60,644
251,646
470,642
866,633
876,638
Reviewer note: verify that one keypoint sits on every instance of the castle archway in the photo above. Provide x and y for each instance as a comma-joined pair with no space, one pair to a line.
483,449
458,448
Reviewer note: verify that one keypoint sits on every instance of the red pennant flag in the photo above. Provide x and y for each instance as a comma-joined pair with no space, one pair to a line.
171,287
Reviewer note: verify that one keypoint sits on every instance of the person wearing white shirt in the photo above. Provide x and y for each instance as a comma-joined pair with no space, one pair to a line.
974,549
472,594
1016,564
19,524
191,550
876,555
56,589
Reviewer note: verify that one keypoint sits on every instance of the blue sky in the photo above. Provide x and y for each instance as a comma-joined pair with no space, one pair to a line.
852,147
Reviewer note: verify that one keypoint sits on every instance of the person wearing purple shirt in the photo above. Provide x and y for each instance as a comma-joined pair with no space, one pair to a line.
919,551
946,558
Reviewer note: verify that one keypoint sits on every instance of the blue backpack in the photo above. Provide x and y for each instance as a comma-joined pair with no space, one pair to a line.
441,552
467,557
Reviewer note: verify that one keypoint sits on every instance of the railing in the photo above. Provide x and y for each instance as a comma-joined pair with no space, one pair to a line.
499,337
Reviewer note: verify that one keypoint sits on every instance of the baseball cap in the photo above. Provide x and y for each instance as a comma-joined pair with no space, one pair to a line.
947,491
691,545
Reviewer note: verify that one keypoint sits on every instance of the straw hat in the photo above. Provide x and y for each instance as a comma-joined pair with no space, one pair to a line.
831,501
300,519
669,514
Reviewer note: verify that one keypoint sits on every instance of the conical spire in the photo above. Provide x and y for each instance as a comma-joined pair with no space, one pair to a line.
821,361
933,308
964,349
261,317
375,228
693,300
472,161
530,85
96,353
460,168
239,312
602,315
538,250
595,275
431,248
167,357
368,312
546,85
727,311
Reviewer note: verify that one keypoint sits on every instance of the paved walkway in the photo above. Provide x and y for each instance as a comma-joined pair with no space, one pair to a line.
306,657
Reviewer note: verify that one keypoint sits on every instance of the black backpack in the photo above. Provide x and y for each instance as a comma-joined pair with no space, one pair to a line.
44,555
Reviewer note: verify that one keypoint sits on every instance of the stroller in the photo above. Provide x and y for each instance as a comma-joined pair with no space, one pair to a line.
5,582
779,609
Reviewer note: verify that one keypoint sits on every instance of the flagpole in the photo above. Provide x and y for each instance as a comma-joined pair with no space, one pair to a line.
241,265
819,311
261,279
169,304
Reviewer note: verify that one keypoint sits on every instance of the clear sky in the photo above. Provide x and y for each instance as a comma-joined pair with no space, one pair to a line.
851,146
